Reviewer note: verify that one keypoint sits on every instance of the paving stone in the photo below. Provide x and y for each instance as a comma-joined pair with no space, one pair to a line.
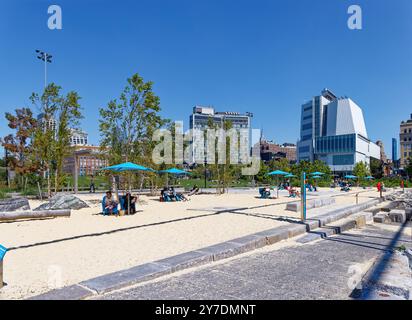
251,242
275,235
127,277
186,260
223,250
74,292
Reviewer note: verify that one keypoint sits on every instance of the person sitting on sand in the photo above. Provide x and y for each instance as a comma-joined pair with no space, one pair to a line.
109,204
128,198
195,190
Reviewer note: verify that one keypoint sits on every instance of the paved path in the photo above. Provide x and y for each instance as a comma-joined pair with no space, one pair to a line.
317,270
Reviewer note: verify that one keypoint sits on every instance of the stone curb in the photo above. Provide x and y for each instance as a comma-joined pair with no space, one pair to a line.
149,271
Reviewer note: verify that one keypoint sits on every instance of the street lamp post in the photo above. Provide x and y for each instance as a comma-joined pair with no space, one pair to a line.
44,56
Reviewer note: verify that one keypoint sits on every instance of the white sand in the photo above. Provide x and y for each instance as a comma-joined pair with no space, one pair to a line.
64,251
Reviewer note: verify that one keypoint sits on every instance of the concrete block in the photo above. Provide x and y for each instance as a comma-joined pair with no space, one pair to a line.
274,235
74,292
309,238
311,204
295,230
250,242
380,218
397,216
223,250
127,277
186,260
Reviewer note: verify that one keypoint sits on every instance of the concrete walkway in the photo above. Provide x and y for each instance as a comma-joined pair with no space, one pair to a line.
316,270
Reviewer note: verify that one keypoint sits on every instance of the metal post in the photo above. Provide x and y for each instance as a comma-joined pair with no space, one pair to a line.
303,197
76,169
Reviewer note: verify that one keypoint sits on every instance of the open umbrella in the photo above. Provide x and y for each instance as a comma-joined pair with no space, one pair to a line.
352,177
127,166
369,178
278,173
290,176
174,171
317,173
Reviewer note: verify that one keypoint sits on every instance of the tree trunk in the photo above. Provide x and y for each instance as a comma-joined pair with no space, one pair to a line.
6,216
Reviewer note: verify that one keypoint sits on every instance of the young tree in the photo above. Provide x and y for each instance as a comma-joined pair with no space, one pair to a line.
51,140
361,170
18,145
127,124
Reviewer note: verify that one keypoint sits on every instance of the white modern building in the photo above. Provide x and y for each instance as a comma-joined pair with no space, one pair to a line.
333,130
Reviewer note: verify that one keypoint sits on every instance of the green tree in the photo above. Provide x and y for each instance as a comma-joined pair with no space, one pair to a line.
19,144
361,170
127,124
376,168
51,140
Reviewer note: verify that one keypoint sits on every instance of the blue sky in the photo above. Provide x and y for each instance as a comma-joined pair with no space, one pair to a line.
263,56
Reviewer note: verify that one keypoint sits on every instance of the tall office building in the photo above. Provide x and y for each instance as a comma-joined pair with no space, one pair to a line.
405,138
200,119
333,130
395,157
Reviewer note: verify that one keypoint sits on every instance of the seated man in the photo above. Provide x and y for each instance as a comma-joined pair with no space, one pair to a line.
109,204
128,198
264,192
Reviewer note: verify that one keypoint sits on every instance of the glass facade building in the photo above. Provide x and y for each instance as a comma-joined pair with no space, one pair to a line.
333,130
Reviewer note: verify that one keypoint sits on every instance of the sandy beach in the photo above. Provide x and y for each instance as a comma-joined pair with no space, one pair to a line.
59,252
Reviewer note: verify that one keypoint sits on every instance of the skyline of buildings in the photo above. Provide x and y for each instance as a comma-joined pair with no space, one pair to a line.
333,130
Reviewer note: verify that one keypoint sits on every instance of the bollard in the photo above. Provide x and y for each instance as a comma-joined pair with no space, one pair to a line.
357,198
303,197
3,251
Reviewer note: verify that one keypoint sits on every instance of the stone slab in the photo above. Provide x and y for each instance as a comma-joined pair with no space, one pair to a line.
74,292
222,250
186,260
275,235
127,277
250,242
397,216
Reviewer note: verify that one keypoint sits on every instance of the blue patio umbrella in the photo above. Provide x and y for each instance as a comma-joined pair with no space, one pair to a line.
278,173
369,178
175,171
290,176
127,166
351,177
316,177
317,173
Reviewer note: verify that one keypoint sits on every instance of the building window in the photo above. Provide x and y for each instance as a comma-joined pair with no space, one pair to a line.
304,149
306,126
340,160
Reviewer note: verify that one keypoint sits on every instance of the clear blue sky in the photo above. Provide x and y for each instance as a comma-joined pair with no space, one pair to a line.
263,56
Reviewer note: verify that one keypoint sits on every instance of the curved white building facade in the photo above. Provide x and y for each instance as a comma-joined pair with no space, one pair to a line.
333,130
